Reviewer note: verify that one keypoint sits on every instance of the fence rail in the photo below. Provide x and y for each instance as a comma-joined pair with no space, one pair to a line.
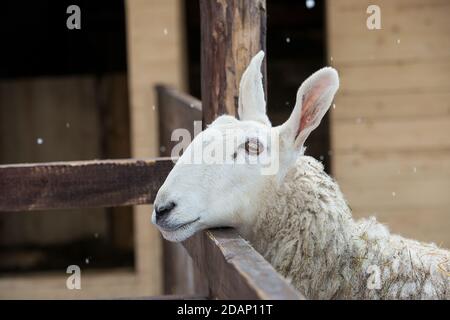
81,184
227,263
234,270
231,267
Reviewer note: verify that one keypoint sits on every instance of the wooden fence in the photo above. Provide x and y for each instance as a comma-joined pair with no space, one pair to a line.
231,267
226,266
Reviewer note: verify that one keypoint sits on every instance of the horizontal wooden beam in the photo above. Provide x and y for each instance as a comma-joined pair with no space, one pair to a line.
234,269
81,184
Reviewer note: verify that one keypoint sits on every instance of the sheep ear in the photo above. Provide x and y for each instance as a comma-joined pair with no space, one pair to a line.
314,98
252,104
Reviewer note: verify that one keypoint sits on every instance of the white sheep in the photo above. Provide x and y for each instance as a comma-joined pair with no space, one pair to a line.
295,215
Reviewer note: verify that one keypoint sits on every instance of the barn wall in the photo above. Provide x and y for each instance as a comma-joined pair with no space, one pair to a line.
65,112
155,55
390,128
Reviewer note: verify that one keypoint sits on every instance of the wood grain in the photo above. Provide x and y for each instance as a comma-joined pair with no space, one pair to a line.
390,127
83,184
393,135
176,110
232,32
63,111
234,269
398,105
421,26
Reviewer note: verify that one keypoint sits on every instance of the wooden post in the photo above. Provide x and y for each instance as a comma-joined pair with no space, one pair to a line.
232,31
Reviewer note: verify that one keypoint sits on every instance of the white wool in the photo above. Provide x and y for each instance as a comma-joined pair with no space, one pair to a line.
305,229
297,217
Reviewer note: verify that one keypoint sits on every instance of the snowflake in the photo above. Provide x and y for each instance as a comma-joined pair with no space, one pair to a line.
310,4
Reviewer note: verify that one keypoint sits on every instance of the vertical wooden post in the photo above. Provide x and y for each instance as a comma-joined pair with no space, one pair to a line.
232,31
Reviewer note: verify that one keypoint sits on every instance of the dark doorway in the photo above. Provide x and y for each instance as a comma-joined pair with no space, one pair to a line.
64,96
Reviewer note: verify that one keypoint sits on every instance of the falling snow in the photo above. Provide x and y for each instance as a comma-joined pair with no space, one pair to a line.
393,193
398,41
310,4
166,31
87,260
67,125
288,40
40,141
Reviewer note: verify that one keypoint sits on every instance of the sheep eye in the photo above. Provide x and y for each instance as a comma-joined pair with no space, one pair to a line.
253,146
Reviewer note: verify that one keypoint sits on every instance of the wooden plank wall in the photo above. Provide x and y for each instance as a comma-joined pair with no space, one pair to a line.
64,113
390,128
155,54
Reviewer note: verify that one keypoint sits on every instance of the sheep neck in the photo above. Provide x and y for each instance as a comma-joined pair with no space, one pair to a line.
304,228
303,224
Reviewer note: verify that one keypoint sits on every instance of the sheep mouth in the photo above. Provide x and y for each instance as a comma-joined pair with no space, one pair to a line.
179,227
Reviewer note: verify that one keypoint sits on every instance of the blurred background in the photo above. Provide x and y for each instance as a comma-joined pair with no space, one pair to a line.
89,94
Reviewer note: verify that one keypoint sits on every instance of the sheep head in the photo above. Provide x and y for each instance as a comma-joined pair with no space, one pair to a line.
218,180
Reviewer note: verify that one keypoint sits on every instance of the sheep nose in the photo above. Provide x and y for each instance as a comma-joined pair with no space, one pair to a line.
164,210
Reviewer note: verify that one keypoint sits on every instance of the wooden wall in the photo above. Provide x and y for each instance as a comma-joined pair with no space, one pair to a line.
155,55
64,112
390,128
59,118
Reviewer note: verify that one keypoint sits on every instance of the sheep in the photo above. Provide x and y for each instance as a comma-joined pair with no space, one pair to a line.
293,214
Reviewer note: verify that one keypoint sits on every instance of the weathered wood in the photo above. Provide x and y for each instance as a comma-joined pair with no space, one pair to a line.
234,269
232,31
178,110
82,184
112,100
63,111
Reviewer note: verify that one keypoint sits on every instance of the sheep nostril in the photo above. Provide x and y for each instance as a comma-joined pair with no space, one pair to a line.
164,210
